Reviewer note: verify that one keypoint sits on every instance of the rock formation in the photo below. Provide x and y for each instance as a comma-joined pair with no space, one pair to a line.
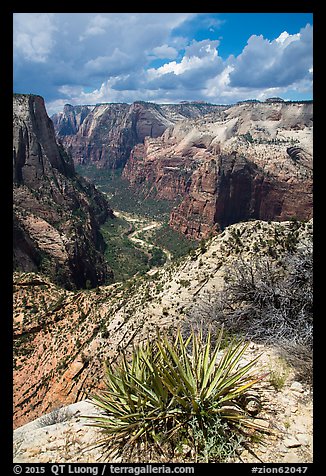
57,213
62,338
249,161
254,161
70,120
221,164
108,132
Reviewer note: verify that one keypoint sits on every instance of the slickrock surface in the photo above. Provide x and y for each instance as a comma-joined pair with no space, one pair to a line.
62,338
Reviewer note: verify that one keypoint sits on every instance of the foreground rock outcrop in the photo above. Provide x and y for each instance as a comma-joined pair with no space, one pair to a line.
62,338
57,213
62,436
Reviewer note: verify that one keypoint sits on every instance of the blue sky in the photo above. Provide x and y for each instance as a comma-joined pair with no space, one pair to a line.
88,58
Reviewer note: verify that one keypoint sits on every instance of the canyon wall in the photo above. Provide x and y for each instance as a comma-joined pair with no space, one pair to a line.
107,132
222,164
252,162
57,213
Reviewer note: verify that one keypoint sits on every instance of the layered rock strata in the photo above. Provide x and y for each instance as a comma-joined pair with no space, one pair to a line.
57,213
252,162
108,132
70,120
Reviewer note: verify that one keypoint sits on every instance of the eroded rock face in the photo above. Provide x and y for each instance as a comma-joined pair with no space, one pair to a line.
108,132
155,173
35,150
62,338
254,161
70,120
57,214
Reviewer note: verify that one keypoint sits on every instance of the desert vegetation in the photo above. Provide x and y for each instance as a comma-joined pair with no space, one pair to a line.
179,393
268,299
124,197
126,257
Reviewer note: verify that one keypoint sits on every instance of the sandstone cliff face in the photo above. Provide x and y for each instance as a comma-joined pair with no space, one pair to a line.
57,214
221,164
106,136
35,150
234,190
253,161
70,120
157,174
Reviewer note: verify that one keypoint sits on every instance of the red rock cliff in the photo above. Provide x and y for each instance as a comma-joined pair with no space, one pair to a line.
254,162
104,134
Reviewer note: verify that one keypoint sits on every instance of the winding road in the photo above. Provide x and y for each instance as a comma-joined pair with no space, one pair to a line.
142,224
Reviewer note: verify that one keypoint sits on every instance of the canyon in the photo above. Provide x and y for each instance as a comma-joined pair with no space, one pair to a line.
106,133
221,164
238,178
63,337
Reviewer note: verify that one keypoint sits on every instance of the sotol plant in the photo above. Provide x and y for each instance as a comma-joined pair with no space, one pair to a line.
173,393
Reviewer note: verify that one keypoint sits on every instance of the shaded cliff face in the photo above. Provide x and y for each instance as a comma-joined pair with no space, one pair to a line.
233,189
35,150
254,161
70,120
57,214
107,134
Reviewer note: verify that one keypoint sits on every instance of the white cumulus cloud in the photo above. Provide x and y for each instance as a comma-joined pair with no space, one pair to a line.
198,55
99,57
278,63
34,35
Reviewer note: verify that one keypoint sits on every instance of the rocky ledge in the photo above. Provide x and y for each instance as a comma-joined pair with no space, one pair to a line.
63,436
